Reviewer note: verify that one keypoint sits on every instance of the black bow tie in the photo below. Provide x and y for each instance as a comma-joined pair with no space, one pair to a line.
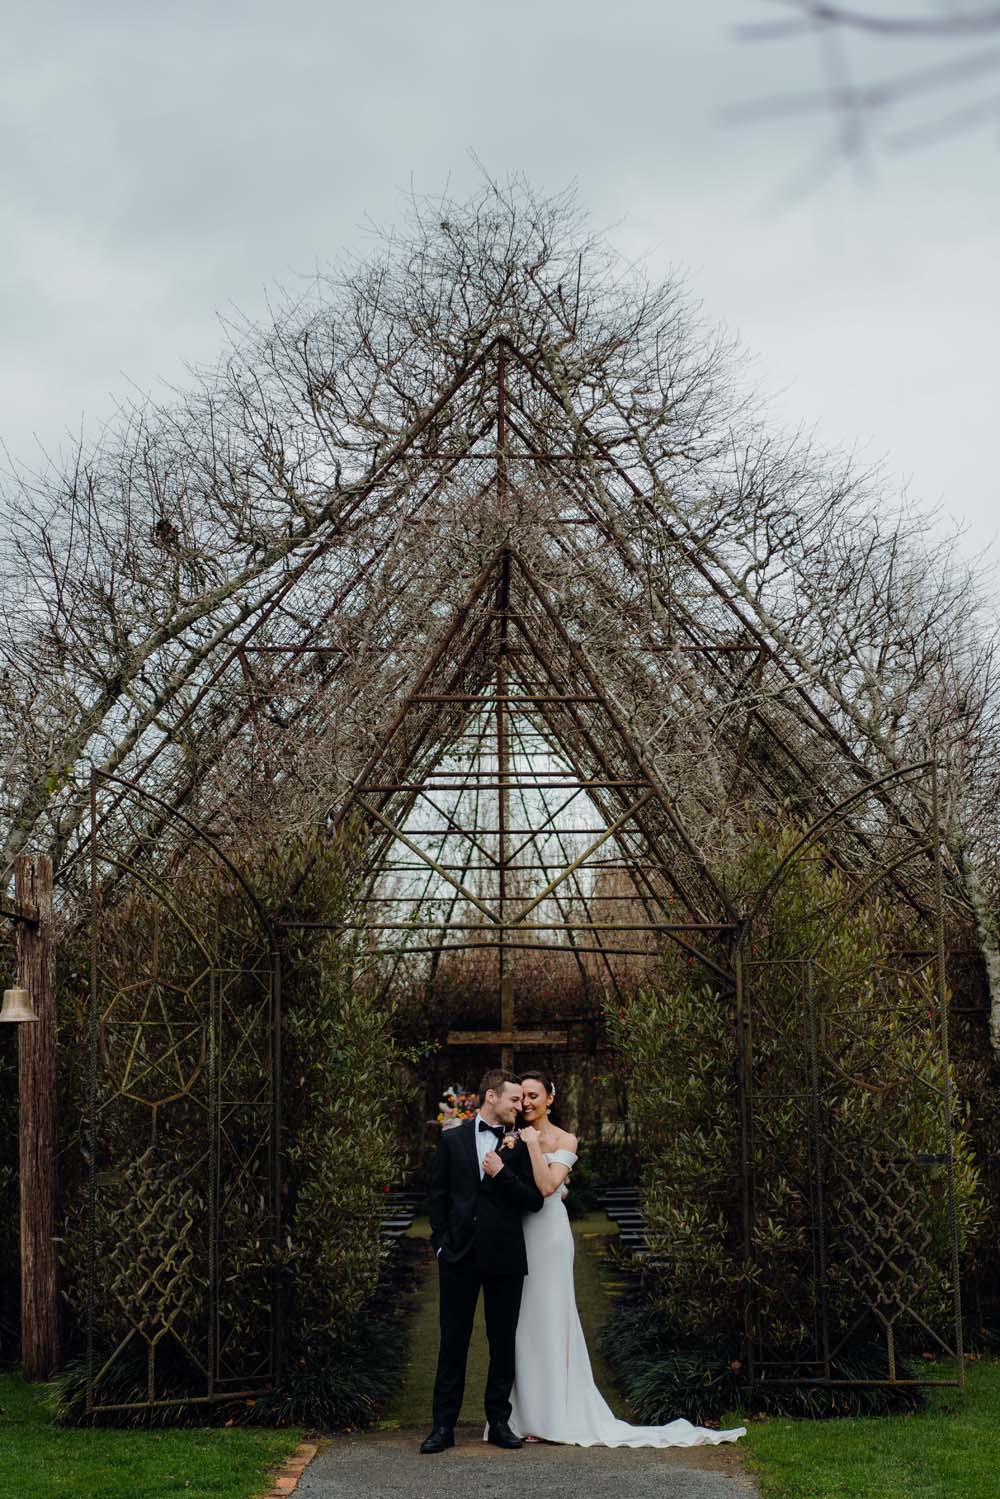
494,1129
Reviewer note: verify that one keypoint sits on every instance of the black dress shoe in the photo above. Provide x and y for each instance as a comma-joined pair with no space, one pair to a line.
501,1435
440,1438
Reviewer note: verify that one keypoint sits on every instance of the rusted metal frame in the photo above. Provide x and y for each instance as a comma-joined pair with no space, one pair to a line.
394,457
555,949
814,828
652,868
522,926
376,556
689,626
581,859
938,956
467,781
437,656
490,829
471,697
504,975
651,901
818,1204
597,751
668,865
626,738
546,825
494,785
842,908
200,833
478,645
539,868
198,774
690,556
452,824
941,980
755,674
744,1086
273,1103
414,749
512,457
540,454
640,878
403,952
401,837
252,710
548,831
436,959
695,562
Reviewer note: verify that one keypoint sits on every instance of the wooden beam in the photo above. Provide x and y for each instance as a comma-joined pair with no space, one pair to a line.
37,1124
509,1038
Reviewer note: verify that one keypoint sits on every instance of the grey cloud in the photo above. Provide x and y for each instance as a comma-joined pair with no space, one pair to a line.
163,163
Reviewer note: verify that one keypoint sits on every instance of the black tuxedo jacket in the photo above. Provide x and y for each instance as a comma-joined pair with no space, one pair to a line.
481,1216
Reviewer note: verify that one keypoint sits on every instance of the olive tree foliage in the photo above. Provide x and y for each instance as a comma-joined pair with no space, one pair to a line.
835,1009
227,598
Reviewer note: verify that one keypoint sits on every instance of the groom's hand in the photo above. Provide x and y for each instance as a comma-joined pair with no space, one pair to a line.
492,1163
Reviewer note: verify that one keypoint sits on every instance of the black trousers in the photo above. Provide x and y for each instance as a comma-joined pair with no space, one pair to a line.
460,1283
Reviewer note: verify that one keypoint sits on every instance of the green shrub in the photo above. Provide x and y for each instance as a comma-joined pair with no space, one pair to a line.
881,1128
663,1377
345,1091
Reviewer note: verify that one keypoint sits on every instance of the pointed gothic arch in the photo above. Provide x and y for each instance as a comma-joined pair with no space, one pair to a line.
477,669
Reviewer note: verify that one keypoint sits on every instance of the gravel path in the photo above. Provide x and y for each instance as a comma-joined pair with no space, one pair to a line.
387,1465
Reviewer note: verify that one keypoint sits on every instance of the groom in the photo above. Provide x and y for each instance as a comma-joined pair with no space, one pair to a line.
480,1189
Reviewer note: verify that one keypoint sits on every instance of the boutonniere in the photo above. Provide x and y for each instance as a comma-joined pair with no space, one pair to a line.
509,1141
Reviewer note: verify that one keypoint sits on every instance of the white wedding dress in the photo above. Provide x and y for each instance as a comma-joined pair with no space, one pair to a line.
554,1395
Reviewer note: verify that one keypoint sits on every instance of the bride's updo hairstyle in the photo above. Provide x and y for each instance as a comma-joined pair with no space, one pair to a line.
544,1079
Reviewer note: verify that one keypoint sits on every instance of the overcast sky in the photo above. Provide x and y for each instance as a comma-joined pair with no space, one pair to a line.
162,164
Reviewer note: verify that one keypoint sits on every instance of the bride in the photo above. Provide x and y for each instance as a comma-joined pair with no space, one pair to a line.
554,1397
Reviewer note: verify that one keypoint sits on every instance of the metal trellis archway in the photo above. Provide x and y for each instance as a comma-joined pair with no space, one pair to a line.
847,1109
183,1125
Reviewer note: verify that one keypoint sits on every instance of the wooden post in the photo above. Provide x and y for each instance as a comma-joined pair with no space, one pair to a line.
37,1091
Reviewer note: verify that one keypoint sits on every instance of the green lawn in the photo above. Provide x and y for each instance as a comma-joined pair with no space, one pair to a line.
949,1451
43,1461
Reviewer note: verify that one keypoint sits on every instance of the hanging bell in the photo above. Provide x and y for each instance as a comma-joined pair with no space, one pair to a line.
17,1006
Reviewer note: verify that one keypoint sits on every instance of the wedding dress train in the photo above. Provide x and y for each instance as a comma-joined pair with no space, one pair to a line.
554,1395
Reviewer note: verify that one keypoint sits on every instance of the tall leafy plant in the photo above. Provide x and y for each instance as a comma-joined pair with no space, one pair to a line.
344,1091
831,994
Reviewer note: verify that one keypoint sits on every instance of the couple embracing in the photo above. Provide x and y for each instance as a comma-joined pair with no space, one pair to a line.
499,1225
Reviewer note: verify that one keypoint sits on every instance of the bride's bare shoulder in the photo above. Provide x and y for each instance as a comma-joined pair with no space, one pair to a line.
567,1141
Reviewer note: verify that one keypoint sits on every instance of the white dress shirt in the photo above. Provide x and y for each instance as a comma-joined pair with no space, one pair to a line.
484,1144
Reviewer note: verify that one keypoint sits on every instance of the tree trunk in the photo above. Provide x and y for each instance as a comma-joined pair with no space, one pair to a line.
37,1077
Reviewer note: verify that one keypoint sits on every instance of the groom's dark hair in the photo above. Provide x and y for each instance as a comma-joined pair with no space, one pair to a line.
494,1078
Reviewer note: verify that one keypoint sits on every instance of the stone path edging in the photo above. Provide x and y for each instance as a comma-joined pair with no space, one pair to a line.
286,1479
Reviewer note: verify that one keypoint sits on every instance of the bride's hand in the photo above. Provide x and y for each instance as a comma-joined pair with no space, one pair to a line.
529,1134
